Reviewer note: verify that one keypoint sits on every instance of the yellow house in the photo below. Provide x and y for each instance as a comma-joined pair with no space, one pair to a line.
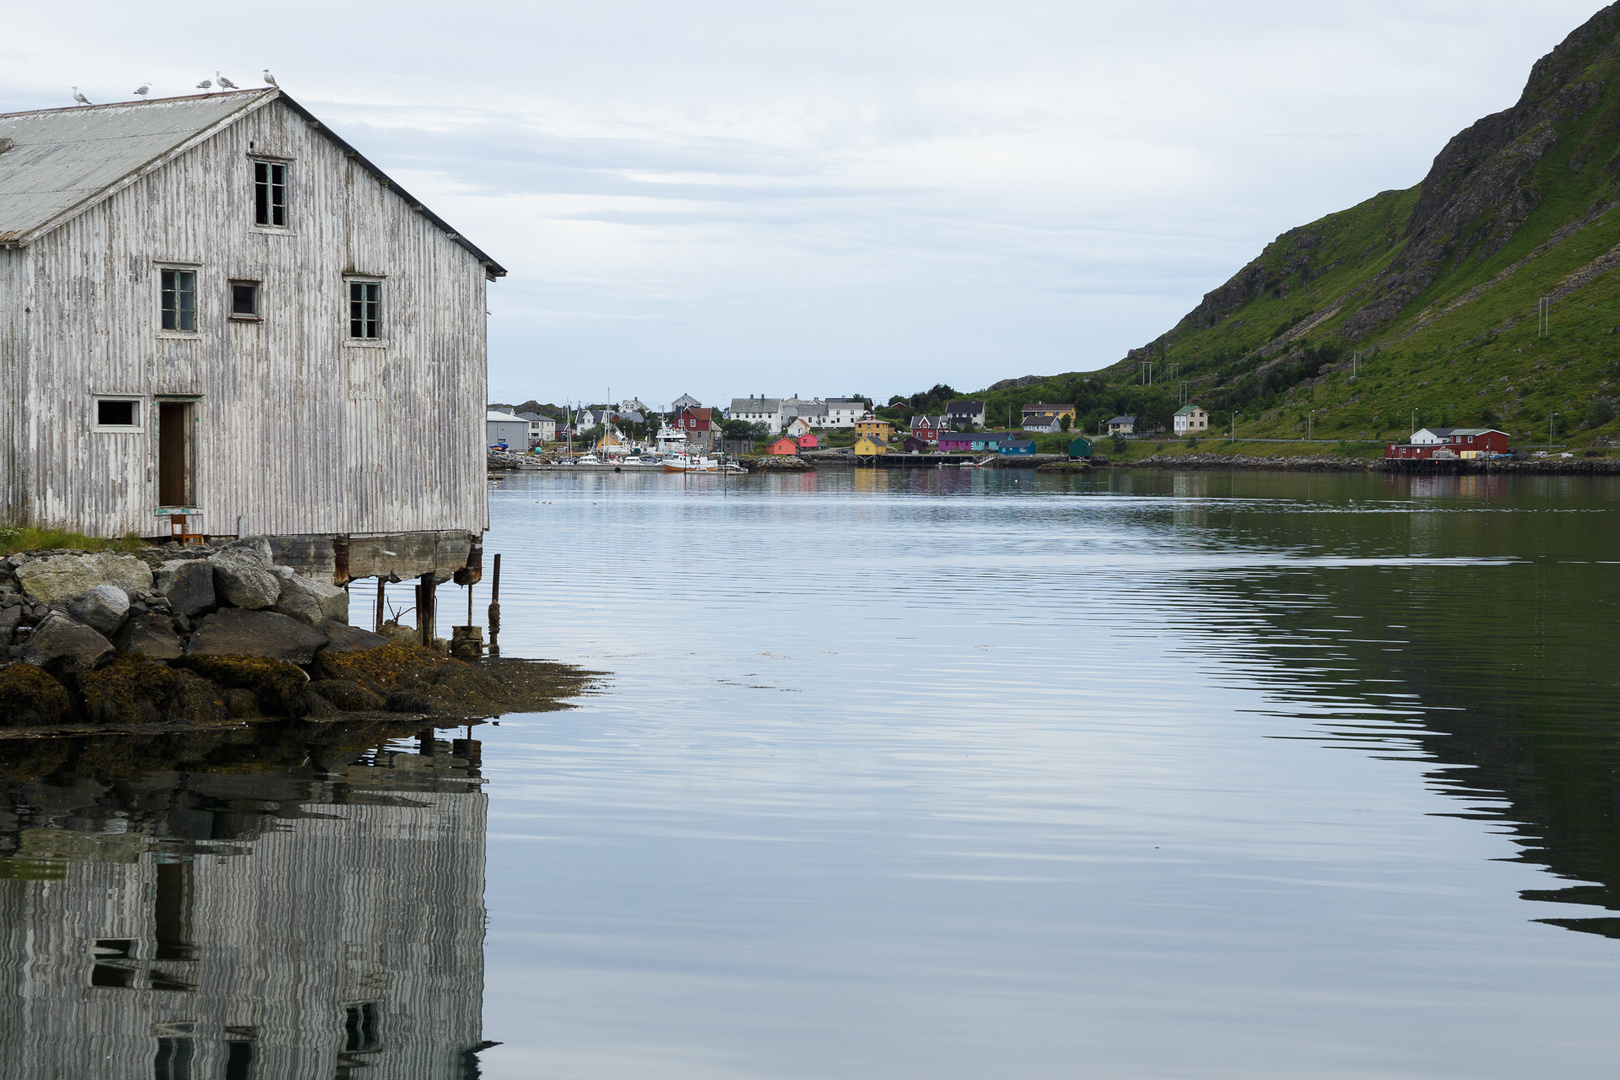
871,446
880,429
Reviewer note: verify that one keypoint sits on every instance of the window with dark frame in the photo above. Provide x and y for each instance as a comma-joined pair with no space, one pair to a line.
179,302
245,300
365,309
270,194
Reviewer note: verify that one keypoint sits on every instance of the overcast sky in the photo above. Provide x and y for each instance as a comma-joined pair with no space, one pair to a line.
824,198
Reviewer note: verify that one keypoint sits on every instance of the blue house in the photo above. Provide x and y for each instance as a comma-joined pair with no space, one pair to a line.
1016,446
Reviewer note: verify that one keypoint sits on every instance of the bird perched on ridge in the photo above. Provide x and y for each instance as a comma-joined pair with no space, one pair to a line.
143,89
269,78
223,81
80,98
205,84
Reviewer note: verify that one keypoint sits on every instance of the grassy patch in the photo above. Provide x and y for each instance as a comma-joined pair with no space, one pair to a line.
37,538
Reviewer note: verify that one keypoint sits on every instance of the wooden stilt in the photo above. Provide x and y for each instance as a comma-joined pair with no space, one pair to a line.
424,608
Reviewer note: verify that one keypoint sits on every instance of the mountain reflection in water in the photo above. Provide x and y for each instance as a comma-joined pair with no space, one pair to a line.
241,906
1503,672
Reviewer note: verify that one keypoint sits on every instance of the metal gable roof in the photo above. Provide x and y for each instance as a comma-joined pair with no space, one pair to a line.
55,163
58,161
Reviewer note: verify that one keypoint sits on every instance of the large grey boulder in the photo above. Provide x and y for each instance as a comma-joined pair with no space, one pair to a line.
151,637
103,609
312,602
346,638
244,579
59,578
188,585
258,547
64,646
9,618
263,634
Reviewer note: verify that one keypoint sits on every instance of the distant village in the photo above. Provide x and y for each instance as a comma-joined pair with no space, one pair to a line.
776,427
792,426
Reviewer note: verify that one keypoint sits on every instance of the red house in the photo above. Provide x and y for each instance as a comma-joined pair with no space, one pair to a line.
786,445
698,426
807,441
1449,443
928,428
695,420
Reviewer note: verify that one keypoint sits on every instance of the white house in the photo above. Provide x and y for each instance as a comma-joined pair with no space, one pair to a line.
1190,420
541,428
843,412
1431,436
682,403
965,412
757,410
201,290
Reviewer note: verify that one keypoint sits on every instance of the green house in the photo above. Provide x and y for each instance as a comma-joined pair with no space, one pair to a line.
1080,448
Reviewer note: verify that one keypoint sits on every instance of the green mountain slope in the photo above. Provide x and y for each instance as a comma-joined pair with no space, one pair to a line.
1421,303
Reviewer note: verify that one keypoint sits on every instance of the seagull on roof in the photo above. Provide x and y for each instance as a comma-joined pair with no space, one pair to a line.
223,81
143,89
269,78
205,84
80,98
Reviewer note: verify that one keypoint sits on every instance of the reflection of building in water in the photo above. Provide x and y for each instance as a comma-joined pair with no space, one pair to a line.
270,924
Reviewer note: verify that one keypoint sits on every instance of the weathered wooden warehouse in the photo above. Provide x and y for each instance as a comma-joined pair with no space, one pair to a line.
213,308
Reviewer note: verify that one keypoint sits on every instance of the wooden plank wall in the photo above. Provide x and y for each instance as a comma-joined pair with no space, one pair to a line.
298,430
378,901
13,484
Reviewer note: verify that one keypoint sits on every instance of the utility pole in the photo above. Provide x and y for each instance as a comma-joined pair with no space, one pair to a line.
1414,421
1550,429
1544,317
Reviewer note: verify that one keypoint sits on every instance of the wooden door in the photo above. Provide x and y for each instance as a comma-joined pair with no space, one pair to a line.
174,453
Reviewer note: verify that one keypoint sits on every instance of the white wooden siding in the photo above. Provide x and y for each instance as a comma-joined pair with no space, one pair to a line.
348,903
296,430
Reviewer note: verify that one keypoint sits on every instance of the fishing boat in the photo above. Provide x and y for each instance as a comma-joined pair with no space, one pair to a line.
686,463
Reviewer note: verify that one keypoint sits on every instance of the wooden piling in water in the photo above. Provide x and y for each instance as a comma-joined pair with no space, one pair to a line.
495,609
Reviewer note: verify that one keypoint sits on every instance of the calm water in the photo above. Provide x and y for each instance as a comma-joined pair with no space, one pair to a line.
899,774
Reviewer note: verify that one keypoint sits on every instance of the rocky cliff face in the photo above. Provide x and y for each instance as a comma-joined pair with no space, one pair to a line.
1522,205
1481,188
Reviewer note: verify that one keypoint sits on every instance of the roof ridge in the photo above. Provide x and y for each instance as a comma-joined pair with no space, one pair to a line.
138,102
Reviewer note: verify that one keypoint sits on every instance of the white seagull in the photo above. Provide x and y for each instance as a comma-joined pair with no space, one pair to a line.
223,81
205,84
143,89
269,78
80,98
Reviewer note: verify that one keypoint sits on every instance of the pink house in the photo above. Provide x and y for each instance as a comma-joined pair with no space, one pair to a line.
808,441
786,445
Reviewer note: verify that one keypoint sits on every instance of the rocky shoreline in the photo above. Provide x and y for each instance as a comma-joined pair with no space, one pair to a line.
1315,463
1331,463
202,636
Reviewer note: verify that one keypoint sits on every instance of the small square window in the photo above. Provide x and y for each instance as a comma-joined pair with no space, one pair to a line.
118,414
270,194
179,302
245,300
365,309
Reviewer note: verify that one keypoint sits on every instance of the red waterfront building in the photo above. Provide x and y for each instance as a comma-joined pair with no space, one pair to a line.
1449,443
